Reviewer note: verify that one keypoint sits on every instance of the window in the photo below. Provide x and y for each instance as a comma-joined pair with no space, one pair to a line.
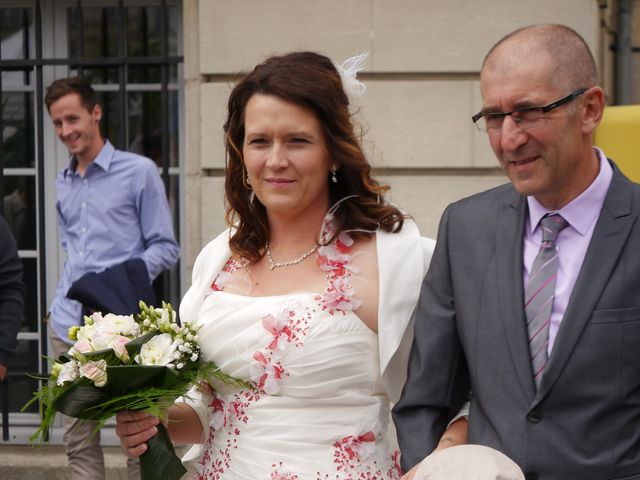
131,52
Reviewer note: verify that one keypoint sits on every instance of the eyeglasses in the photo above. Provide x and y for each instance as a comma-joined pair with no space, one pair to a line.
525,118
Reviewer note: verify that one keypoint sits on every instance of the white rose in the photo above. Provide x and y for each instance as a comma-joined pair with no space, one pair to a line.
68,373
110,327
157,351
101,338
96,372
120,325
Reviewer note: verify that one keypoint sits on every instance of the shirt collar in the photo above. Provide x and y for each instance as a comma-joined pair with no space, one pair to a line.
583,210
103,160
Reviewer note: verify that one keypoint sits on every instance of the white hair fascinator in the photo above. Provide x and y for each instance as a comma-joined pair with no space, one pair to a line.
348,71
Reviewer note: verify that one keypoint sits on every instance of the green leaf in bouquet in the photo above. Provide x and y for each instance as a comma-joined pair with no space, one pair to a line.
108,355
79,399
43,396
210,370
160,459
124,379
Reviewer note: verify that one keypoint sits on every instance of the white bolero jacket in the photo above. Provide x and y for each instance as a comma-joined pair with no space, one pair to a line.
403,259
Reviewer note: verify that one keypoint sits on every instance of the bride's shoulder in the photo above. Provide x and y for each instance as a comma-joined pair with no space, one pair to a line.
214,252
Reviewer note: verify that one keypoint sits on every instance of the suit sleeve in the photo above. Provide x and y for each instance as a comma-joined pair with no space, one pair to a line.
437,382
11,293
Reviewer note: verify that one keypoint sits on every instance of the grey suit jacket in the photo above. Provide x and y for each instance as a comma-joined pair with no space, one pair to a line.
584,421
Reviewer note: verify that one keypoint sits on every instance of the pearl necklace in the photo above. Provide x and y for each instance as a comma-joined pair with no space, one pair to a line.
288,263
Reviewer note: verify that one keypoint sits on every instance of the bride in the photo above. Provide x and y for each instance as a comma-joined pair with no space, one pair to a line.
308,297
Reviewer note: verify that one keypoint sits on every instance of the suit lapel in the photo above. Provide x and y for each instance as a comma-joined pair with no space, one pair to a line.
609,239
509,243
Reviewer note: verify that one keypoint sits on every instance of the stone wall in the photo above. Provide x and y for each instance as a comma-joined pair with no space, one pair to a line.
421,77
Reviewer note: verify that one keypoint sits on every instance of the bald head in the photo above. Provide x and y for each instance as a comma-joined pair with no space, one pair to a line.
572,64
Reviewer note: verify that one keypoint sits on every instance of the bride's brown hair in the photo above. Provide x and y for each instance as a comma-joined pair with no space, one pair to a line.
310,80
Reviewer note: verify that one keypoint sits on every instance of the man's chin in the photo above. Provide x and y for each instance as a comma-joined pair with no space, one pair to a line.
524,187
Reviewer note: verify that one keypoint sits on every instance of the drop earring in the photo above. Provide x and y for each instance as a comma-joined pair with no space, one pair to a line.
248,180
334,179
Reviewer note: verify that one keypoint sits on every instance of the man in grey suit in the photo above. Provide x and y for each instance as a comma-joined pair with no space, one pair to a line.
555,387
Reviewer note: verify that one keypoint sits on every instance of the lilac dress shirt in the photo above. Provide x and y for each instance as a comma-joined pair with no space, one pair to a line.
117,211
572,242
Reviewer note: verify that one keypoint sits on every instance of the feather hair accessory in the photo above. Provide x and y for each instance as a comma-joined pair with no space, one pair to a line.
348,71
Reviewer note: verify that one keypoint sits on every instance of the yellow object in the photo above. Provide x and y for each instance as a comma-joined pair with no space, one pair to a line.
619,136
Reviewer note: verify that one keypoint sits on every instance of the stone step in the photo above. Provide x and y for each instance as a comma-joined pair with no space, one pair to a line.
49,462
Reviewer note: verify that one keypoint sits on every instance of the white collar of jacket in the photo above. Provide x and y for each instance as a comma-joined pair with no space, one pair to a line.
403,259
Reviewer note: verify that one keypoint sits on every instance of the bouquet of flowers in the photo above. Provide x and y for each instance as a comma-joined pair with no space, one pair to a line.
137,362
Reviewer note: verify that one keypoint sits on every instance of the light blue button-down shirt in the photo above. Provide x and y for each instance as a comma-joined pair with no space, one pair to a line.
117,211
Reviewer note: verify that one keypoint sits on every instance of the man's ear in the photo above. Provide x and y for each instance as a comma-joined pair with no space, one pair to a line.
96,113
592,109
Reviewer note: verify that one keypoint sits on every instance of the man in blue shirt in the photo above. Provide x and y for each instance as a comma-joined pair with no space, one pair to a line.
112,207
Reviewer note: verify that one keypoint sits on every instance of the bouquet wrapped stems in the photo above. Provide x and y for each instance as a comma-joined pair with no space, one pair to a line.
160,457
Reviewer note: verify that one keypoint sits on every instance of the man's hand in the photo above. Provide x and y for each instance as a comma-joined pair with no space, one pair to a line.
3,372
456,434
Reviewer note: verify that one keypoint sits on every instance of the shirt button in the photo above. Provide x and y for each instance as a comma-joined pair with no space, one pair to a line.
84,205
85,181
81,253
84,229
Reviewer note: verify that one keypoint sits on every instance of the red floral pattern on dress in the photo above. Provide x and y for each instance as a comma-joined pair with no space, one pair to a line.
279,328
397,469
266,373
215,462
356,447
335,259
232,266
278,474
287,328
218,408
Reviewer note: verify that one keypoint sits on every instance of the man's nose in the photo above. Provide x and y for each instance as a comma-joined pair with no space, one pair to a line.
64,129
512,135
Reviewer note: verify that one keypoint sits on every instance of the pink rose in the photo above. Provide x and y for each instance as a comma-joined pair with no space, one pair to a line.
95,371
117,344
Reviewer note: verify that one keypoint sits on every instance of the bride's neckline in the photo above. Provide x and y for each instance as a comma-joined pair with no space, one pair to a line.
276,295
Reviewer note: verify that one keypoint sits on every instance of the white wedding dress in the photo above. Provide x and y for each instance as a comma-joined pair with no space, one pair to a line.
316,408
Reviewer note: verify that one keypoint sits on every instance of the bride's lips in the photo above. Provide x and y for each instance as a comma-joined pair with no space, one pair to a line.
279,182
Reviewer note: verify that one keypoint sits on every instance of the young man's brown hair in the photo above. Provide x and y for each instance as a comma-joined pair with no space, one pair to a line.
64,86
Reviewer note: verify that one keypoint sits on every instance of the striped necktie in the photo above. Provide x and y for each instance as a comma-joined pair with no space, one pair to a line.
539,293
